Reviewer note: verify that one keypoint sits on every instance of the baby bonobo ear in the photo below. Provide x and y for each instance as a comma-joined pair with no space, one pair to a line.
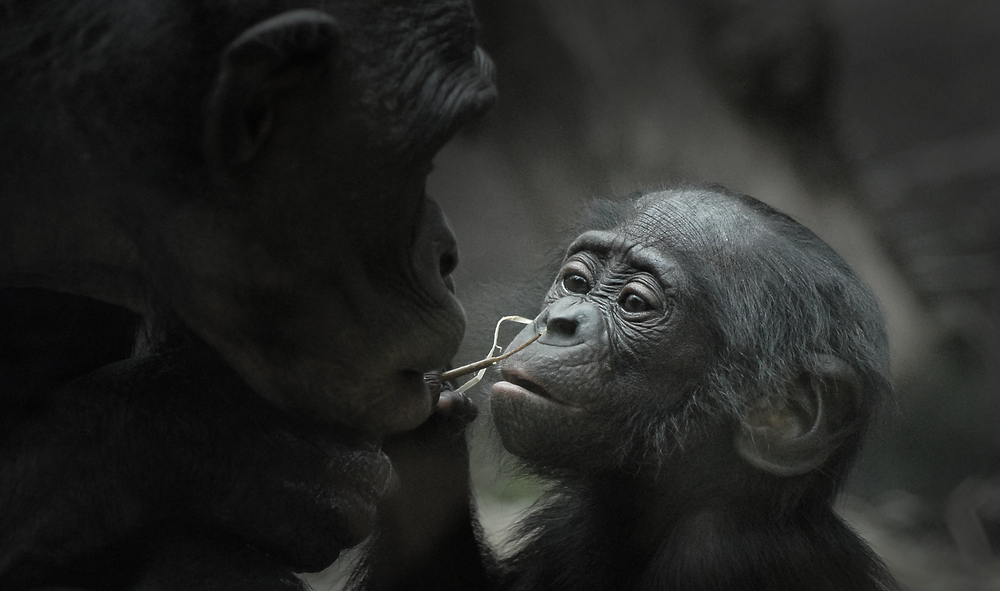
265,61
795,431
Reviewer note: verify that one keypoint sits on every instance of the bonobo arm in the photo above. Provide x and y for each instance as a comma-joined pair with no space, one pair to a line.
427,534
171,444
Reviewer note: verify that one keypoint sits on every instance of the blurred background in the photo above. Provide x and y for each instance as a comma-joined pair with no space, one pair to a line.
875,123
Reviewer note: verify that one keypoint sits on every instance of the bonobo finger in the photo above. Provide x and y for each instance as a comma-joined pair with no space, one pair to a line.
456,405
434,384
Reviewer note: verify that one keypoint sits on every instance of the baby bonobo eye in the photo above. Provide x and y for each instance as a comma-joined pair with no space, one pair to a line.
577,275
638,300
576,283
633,304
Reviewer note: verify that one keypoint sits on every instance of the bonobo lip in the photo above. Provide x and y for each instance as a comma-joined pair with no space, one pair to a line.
515,382
523,382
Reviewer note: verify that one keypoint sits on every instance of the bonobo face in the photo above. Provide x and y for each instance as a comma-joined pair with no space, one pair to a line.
318,266
621,335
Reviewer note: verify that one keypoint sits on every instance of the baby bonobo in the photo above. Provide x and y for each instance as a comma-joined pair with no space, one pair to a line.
706,374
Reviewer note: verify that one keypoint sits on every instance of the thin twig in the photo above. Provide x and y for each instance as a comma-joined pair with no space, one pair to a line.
484,363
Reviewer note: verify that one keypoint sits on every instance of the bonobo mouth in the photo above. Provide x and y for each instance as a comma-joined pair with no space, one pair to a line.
516,383
525,383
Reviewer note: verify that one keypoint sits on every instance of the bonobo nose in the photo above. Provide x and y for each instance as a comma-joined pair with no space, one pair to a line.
447,249
448,261
435,251
570,321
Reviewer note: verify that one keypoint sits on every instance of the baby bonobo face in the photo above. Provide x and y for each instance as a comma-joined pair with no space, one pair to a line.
695,314
619,334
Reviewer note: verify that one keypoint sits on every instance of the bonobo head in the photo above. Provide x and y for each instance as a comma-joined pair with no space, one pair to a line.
258,173
693,331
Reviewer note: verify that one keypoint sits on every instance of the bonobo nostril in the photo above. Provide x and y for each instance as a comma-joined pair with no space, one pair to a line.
448,262
562,325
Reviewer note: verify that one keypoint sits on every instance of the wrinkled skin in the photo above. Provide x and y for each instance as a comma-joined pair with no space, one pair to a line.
618,293
251,183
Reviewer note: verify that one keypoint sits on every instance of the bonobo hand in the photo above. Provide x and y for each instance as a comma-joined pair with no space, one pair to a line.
448,403
426,537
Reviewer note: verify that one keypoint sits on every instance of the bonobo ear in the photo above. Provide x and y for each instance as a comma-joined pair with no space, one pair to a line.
262,63
795,431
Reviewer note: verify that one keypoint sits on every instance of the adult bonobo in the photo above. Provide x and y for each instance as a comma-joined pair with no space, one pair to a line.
706,373
248,176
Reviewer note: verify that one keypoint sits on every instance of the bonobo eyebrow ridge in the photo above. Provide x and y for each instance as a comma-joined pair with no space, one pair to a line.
595,241
636,255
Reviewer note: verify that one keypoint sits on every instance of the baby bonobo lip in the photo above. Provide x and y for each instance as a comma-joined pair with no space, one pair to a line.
516,384
521,381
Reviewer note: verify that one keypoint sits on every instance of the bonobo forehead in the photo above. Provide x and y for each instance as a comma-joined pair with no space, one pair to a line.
693,220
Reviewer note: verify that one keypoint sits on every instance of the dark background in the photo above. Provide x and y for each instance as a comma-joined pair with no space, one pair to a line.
876,123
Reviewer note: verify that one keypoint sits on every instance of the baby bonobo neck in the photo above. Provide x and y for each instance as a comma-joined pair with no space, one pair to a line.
627,534
733,547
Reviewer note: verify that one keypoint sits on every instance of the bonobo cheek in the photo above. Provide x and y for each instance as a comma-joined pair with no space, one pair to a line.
341,339
383,389
335,363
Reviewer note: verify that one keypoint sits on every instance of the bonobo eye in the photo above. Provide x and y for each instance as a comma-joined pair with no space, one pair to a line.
639,299
576,283
577,275
633,304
